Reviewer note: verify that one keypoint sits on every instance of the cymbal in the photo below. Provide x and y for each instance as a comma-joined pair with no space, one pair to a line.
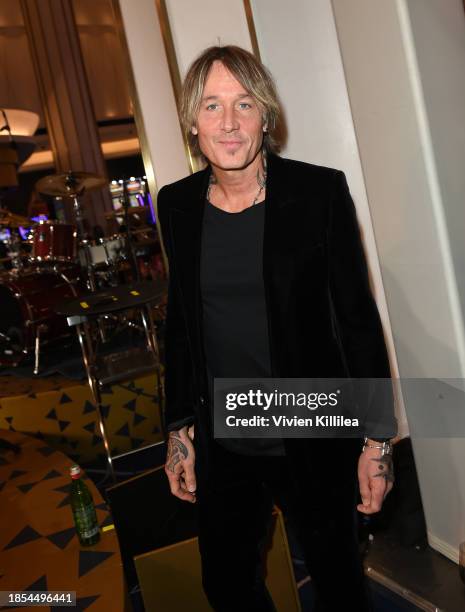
9,219
69,184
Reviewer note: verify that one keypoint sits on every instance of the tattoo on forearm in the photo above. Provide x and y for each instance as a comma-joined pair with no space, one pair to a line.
385,467
177,451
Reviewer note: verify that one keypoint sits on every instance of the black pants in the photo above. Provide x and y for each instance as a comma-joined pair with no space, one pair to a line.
234,511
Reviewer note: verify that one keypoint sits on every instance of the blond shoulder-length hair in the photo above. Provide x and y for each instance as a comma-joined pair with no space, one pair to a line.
250,73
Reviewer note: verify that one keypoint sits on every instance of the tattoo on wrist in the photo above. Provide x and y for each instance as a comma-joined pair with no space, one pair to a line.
385,467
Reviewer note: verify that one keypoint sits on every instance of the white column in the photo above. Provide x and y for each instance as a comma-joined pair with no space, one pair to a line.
162,144
298,42
405,68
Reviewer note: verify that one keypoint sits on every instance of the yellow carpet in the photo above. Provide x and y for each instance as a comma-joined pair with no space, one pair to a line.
62,413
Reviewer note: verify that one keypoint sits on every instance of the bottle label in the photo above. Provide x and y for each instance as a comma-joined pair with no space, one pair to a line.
86,521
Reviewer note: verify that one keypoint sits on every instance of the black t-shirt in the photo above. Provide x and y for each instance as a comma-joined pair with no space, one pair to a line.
235,322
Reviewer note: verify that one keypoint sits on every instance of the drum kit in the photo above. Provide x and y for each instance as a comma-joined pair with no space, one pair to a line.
61,262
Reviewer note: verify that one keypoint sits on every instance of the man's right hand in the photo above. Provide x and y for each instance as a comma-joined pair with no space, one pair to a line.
180,462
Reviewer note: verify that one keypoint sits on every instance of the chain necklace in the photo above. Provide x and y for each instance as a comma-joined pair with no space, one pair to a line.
261,181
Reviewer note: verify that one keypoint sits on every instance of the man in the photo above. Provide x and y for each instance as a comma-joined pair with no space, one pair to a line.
267,279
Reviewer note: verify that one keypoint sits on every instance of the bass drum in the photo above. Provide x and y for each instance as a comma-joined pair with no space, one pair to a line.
27,310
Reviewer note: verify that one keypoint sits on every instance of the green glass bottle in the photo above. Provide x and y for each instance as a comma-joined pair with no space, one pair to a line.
82,504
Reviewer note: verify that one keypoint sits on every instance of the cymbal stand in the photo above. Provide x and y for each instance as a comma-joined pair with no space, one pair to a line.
129,246
83,239
84,243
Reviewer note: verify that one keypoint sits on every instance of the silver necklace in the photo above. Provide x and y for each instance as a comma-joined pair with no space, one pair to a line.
261,181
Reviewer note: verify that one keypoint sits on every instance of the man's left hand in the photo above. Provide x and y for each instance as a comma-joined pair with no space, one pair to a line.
376,479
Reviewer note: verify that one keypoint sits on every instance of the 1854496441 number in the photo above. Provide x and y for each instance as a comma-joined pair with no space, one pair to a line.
37,598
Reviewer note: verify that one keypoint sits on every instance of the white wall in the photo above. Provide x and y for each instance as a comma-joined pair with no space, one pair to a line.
411,182
301,49
438,34
203,23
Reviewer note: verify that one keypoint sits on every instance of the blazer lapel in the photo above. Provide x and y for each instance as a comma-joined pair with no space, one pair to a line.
186,224
278,195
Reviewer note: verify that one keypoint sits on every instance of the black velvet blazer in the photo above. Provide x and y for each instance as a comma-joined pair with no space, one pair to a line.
323,320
